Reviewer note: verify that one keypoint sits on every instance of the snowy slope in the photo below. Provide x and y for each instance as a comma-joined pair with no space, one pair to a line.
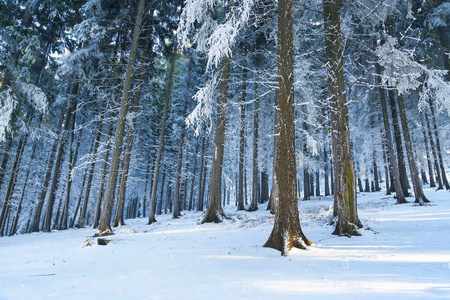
404,253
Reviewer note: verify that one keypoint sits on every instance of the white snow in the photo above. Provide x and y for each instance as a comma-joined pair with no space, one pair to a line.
403,253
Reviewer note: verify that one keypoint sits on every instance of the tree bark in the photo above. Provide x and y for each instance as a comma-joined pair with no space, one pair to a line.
398,144
387,131
35,224
344,169
417,186
286,232
105,218
427,150
151,217
176,208
214,212
435,156
46,225
438,146
242,142
255,181
81,220
101,183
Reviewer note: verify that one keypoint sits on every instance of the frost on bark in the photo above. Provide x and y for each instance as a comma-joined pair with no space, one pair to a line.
214,212
286,232
344,169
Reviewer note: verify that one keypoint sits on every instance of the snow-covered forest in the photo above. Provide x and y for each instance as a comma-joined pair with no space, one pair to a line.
132,112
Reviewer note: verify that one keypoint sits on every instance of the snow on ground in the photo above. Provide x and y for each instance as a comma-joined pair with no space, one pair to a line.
404,253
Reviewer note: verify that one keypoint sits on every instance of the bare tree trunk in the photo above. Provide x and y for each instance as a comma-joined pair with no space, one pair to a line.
398,144
271,205
344,169
286,232
255,181
242,142
11,185
72,161
13,230
46,225
200,179
147,173
194,172
105,218
387,131
435,156
81,220
325,159
427,150
101,183
214,212
77,209
35,224
5,159
176,208
161,196
438,146
151,217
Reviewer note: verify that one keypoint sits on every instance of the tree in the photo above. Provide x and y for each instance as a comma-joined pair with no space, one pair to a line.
286,232
105,218
344,169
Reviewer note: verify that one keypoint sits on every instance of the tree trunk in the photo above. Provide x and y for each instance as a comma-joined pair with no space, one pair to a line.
242,142
77,209
11,185
176,209
13,230
438,146
101,183
151,217
72,161
35,224
286,232
46,226
387,131
417,186
161,196
435,156
317,182
255,187
200,179
427,150
214,212
375,174
325,160
344,169
105,218
398,144
5,159
306,184
81,220
191,194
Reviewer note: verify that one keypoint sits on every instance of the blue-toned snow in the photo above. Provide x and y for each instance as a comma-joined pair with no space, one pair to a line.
403,253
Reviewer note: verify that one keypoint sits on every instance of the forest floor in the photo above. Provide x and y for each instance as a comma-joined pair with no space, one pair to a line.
403,253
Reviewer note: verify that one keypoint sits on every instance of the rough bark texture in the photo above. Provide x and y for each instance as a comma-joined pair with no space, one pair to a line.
344,169
105,218
214,212
286,232
434,152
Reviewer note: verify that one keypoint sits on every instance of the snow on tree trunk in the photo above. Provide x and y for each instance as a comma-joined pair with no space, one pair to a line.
105,218
286,232
214,212
344,169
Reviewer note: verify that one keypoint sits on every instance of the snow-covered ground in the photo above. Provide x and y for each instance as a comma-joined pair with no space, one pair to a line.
403,253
